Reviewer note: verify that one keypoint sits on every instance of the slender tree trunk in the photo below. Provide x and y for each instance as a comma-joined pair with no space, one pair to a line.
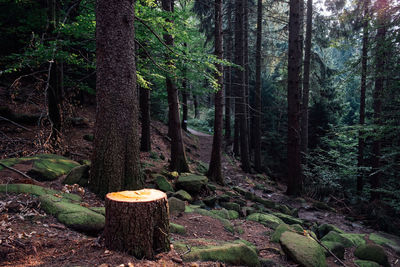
228,77
115,160
237,76
377,96
145,143
257,113
178,155
215,170
364,62
240,87
196,106
306,83
246,71
294,181
184,105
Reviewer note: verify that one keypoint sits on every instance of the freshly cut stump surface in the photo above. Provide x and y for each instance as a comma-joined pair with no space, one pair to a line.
137,222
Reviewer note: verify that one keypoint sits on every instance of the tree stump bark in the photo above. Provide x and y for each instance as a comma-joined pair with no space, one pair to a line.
137,222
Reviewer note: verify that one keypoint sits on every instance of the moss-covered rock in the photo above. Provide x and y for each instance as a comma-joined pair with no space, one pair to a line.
372,252
78,175
183,195
303,250
44,166
287,218
191,183
230,206
336,248
229,253
386,240
276,235
162,183
362,263
233,214
72,214
347,240
176,205
210,201
177,228
101,210
202,167
35,190
224,198
284,209
268,220
225,222
48,167
326,228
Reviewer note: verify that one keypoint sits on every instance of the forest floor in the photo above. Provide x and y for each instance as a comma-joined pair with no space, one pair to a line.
30,237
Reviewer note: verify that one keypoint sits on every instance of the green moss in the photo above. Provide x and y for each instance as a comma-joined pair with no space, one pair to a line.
176,228
268,220
385,241
191,208
362,263
233,214
287,218
303,250
191,182
372,252
234,254
276,235
10,162
48,167
163,184
78,175
100,210
85,221
35,190
347,240
230,206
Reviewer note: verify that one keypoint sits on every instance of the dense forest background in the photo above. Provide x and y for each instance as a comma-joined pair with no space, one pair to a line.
336,112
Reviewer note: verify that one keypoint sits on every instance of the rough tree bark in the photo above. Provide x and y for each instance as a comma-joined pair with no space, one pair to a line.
142,236
196,106
178,155
215,169
364,62
257,93
115,160
294,180
375,178
240,102
145,143
306,83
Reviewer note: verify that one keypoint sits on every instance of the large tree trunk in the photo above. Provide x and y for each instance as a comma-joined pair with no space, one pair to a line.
257,107
364,62
142,236
228,77
377,96
246,72
145,143
215,170
306,83
294,180
240,87
178,155
115,160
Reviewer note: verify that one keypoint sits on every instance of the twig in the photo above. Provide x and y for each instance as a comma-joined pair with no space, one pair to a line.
16,124
17,171
189,249
327,249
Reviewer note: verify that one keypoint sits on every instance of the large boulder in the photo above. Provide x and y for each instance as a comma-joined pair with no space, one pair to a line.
183,195
303,250
191,183
372,252
268,220
230,206
347,240
78,175
48,167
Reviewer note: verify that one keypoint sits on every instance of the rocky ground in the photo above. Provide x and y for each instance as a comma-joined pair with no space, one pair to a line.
51,219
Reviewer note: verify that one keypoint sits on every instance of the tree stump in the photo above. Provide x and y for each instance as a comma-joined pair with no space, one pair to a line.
137,222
